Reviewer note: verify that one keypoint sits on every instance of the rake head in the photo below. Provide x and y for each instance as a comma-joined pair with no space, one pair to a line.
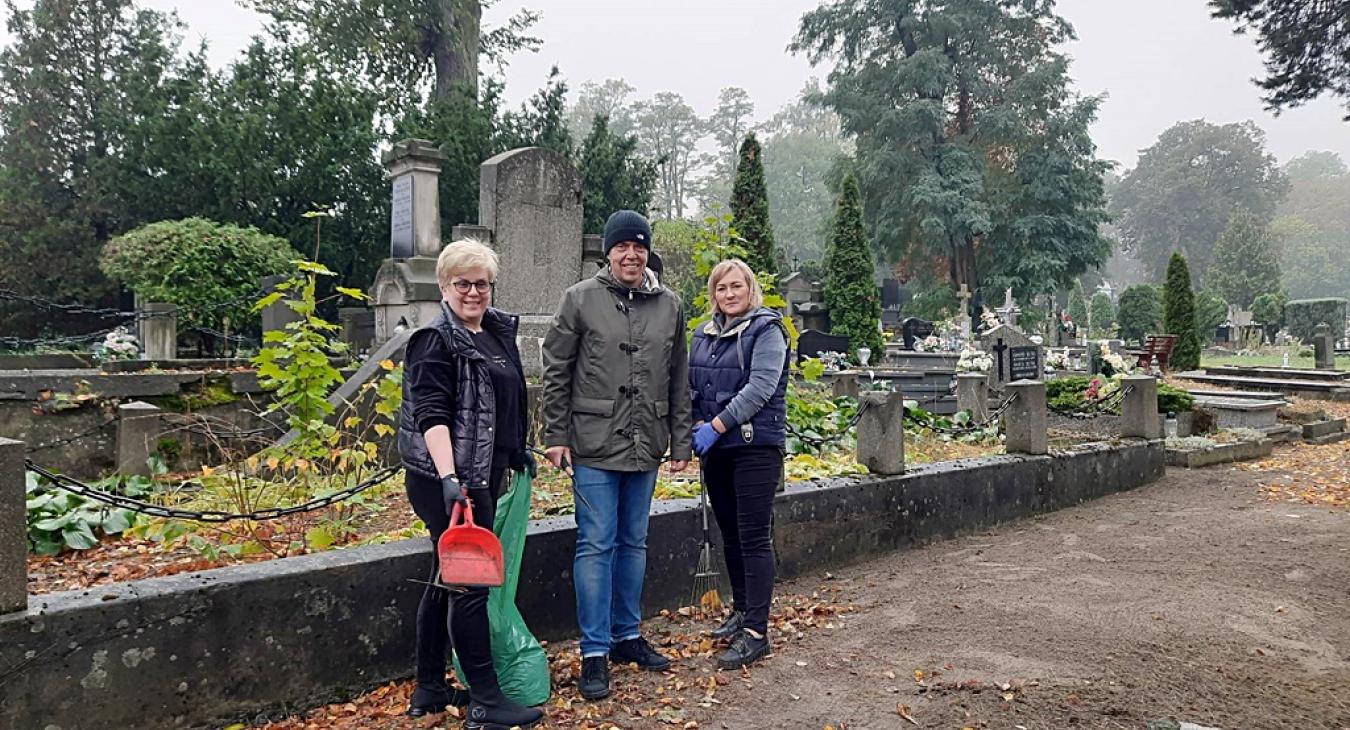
705,595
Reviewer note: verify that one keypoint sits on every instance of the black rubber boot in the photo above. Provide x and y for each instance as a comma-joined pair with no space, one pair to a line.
428,700
638,651
744,651
730,626
594,681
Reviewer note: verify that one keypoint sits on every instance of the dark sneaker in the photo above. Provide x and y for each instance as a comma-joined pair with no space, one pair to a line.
502,714
594,682
744,651
730,626
638,651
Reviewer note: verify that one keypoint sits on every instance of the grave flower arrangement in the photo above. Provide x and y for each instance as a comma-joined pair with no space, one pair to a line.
989,320
117,345
1117,363
974,361
1058,360
834,361
930,343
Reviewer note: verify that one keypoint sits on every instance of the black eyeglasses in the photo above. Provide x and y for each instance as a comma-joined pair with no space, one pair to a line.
463,286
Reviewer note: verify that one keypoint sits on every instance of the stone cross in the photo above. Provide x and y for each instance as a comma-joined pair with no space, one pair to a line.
998,350
964,315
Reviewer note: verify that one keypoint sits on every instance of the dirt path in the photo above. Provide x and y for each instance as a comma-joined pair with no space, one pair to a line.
1195,599
1192,598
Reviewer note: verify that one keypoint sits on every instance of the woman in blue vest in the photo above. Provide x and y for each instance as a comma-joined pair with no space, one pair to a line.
738,370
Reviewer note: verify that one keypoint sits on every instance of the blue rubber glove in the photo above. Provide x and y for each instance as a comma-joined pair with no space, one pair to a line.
704,438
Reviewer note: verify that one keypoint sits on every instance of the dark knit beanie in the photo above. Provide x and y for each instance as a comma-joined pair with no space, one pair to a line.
627,225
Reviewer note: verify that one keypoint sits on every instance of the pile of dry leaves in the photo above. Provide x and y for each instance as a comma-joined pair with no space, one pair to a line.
1310,474
639,699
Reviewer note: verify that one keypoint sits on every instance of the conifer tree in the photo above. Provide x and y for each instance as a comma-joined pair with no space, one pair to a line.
1179,314
851,292
750,208
1245,262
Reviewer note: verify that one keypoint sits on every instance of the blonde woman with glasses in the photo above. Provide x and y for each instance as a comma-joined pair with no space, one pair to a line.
461,428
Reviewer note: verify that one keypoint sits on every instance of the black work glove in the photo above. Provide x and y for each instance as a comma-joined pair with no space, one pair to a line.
452,491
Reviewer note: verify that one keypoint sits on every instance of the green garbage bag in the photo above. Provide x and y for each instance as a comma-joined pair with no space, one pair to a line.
521,664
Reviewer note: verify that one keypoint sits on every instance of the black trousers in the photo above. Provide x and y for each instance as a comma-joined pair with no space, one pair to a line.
741,484
467,624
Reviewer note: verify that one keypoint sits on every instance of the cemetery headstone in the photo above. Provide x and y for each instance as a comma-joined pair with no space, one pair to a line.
1016,356
811,343
913,329
814,316
530,199
1324,348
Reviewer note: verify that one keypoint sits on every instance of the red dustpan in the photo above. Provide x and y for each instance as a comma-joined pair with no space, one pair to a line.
470,556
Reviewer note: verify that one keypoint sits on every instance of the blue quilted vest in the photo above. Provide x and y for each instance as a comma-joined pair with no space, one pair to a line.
719,367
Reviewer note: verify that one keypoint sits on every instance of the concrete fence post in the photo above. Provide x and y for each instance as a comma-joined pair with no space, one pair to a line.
973,395
845,384
138,428
159,332
1139,409
1025,419
13,529
881,432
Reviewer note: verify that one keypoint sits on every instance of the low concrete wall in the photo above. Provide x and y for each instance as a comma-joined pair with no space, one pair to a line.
200,649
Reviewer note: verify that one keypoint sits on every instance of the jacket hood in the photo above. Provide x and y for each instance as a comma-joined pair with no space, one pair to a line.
650,283
717,326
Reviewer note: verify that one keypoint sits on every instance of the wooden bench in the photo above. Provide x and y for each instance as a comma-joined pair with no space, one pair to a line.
1159,346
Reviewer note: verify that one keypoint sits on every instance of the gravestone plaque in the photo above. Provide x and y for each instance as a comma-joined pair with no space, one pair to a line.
811,343
1015,355
1024,363
401,218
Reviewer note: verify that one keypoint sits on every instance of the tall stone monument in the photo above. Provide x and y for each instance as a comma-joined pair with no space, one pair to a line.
529,211
405,292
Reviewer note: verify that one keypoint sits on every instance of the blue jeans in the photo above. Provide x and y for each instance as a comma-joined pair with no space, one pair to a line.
611,561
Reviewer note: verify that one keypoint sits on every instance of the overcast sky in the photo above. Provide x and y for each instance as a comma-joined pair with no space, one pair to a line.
1158,61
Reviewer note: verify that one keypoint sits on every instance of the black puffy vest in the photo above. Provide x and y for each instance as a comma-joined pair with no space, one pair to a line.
471,433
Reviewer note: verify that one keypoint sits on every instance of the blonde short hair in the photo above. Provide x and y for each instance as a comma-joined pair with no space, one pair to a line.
726,267
463,255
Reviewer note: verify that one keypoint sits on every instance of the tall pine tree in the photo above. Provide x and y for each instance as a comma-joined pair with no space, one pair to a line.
750,208
1179,314
974,150
850,287
613,175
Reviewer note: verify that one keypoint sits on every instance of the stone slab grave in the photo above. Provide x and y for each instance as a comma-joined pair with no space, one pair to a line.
1329,376
1241,412
1325,432
1324,389
1015,355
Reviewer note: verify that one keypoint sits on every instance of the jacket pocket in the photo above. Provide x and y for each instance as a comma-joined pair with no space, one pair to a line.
660,429
593,426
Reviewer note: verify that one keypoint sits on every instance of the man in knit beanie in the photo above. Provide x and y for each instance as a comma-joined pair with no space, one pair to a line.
615,399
